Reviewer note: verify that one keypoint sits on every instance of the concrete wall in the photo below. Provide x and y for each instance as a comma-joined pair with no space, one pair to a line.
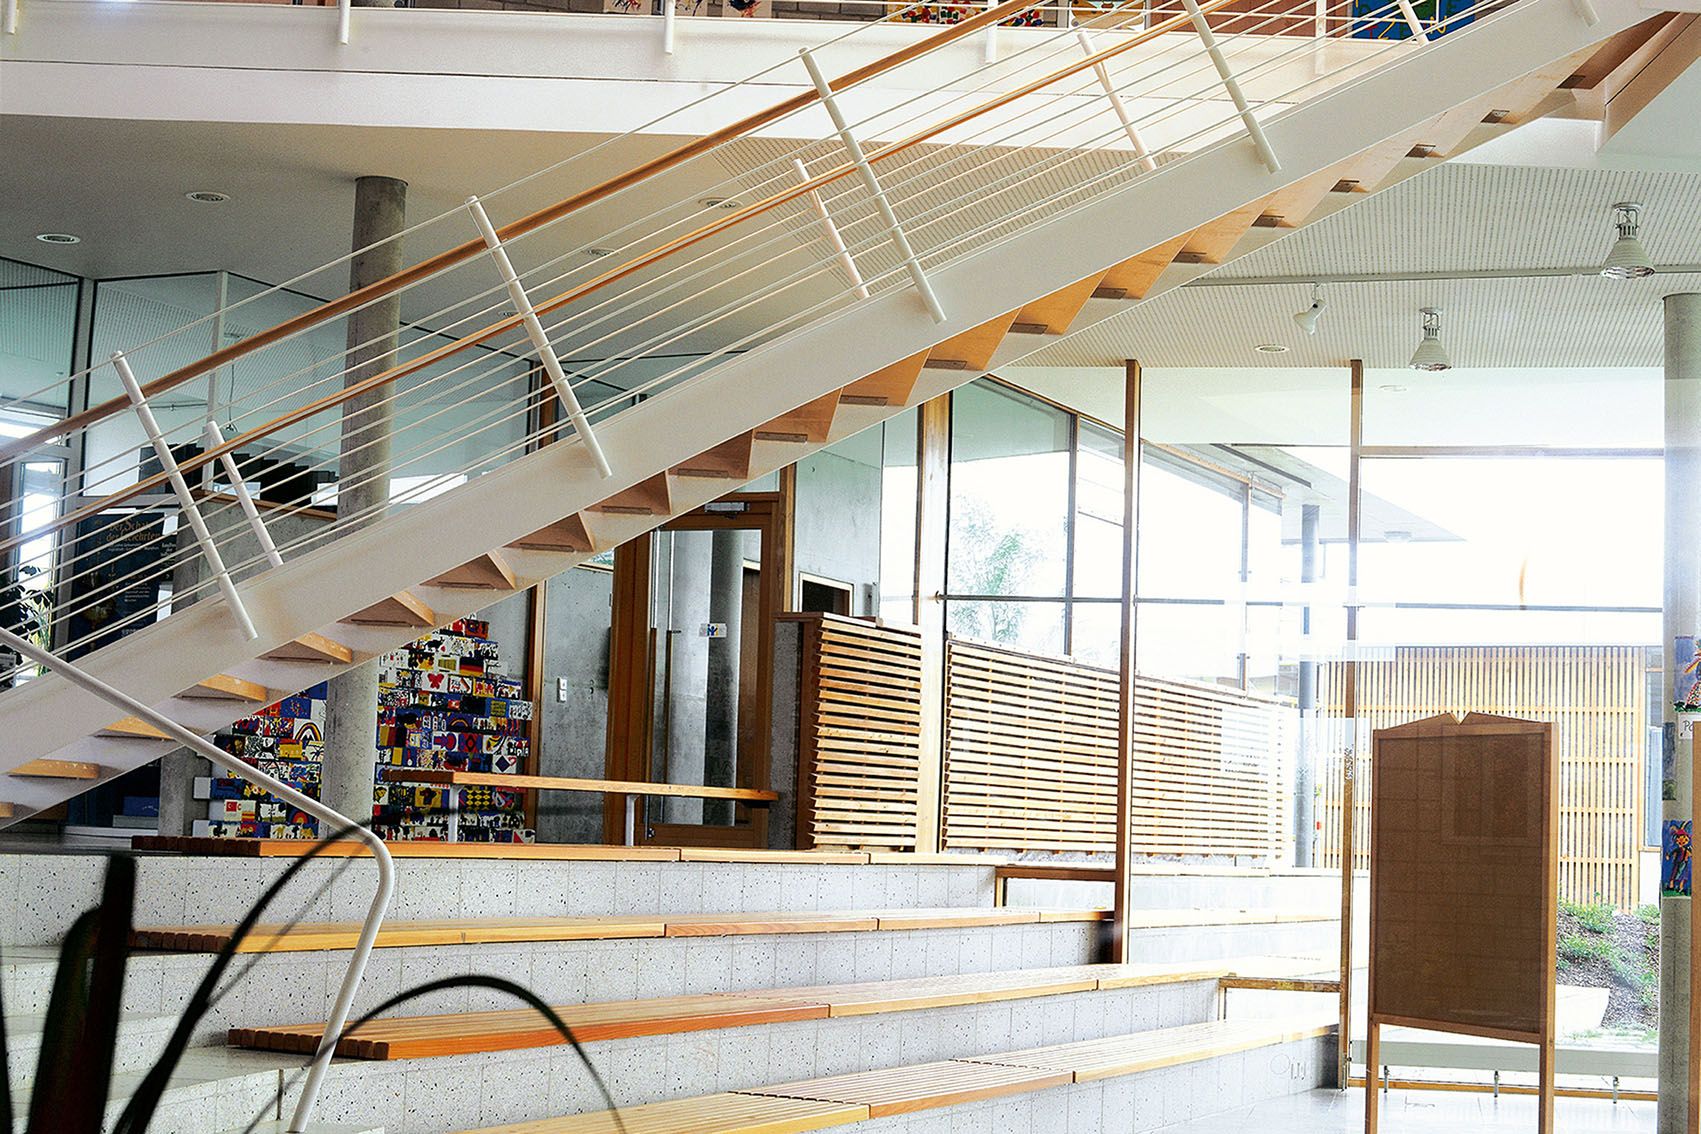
575,722
836,531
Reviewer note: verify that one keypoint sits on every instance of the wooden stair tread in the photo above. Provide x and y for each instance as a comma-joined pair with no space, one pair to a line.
312,648
1052,314
486,572
974,348
316,936
224,687
905,1090
1134,277
652,496
57,770
732,1113
408,1037
6,810
564,852
889,386
133,727
809,423
728,460
1087,1060
569,534
400,609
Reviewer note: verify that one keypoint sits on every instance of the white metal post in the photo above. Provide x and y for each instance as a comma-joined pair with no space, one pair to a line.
540,340
1585,10
343,7
872,183
185,499
991,55
1232,85
1147,162
11,17
333,820
832,230
1412,21
215,437
668,18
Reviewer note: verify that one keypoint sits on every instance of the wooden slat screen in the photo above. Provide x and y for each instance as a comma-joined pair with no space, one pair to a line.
860,724
1596,696
1030,761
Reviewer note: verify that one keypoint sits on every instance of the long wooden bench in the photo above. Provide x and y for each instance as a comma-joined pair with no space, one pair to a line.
314,936
633,790
866,1095
464,1033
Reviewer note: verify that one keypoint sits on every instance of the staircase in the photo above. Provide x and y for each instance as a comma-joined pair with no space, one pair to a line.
1058,243
870,993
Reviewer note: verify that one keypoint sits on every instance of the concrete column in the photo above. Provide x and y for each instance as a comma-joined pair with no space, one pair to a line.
351,703
1682,619
726,605
1305,766
684,668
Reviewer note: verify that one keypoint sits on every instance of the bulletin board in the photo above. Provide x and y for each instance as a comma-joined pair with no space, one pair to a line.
1464,880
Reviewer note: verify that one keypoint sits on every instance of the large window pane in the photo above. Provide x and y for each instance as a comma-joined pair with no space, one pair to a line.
899,484
1599,407
38,318
1009,528
1034,627
1098,513
1190,521
1512,531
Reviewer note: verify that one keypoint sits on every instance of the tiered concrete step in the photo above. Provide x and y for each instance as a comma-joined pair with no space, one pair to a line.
1139,1081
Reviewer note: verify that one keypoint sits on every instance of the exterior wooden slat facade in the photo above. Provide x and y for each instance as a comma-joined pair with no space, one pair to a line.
1597,699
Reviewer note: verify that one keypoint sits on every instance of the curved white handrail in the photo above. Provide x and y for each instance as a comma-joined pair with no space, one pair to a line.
335,820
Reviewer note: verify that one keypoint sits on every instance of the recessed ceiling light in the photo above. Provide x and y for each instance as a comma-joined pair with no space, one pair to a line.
58,238
207,196
1392,389
599,252
1270,348
721,203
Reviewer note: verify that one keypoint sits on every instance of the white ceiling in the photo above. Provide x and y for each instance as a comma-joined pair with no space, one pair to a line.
1456,218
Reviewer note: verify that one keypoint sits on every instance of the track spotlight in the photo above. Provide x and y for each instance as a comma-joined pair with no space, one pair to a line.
1307,319
1430,354
1627,260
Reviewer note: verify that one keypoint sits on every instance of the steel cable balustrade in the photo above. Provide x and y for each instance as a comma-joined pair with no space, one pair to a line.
623,396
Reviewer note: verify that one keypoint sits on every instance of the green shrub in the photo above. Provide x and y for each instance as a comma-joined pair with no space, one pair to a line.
1596,918
1649,915
1577,948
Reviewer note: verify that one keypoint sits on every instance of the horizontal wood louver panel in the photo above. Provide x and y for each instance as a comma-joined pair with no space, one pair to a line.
860,732
1031,760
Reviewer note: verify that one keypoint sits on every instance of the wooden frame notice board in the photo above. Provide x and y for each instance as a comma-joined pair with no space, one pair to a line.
1464,886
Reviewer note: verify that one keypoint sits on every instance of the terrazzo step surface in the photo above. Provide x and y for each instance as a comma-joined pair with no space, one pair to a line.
141,1039
182,890
210,1090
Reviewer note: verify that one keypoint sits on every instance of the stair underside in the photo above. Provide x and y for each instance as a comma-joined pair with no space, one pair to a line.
391,605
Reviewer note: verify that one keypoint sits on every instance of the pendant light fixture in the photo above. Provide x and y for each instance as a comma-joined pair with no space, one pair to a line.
1307,319
1627,260
1430,354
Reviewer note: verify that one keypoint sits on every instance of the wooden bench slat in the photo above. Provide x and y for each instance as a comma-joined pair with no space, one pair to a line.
462,1033
905,1090
709,1114
1089,1060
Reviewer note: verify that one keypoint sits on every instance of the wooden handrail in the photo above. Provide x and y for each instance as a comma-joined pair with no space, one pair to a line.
613,275
461,253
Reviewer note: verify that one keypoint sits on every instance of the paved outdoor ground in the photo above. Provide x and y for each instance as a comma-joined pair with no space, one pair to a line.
1423,1112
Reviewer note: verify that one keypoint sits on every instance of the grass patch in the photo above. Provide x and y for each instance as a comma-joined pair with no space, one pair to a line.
1596,918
